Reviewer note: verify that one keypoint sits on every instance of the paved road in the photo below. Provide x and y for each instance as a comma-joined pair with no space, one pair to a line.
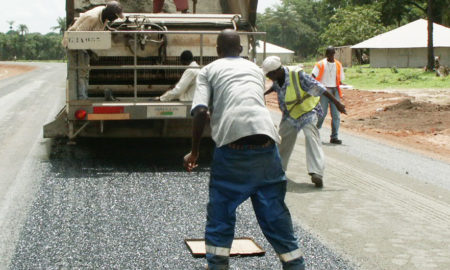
382,207
127,204
122,204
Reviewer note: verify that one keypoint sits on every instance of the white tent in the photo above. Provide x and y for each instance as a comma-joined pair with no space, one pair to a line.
406,46
286,55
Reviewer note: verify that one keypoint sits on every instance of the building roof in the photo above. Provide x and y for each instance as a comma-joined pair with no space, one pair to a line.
411,35
271,48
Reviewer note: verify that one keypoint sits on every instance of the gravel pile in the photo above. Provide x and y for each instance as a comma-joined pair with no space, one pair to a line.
117,205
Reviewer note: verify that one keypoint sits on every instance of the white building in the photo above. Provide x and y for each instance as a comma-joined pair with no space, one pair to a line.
406,46
286,55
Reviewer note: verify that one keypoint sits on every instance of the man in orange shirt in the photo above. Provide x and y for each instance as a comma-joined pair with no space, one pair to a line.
330,73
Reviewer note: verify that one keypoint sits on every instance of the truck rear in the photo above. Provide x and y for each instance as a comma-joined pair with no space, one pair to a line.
138,60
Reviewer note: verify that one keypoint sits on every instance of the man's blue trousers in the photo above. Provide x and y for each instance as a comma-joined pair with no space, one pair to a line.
237,175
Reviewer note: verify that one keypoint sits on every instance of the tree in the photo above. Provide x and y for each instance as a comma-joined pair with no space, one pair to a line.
435,11
34,46
22,29
11,23
310,26
61,27
281,25
430,50
286,27
351,25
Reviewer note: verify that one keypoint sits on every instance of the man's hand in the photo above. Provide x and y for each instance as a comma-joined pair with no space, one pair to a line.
200,119
336,102
341,107
190,161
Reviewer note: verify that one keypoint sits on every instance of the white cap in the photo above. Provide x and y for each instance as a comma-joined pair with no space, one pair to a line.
271,63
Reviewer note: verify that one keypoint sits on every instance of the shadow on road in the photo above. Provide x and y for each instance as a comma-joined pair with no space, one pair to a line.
89,157
295,187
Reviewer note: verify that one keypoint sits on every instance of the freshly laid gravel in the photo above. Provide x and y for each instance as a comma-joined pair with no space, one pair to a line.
129,205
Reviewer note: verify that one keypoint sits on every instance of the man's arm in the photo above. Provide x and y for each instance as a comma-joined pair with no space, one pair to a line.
342,75
339,105
269,91
200,106
315,71
315,88
182,86
74,27
200,120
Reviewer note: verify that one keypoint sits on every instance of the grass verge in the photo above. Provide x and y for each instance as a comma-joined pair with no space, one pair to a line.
367,78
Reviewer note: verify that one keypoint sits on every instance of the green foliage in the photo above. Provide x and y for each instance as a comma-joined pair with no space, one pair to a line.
33,46
22,45
61,27
308,26
366,78
351,25
294,24
22,29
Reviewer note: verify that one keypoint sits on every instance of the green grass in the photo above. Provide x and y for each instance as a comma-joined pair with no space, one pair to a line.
366,78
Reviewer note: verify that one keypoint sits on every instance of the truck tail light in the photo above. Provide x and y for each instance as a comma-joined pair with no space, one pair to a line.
108,109
80,114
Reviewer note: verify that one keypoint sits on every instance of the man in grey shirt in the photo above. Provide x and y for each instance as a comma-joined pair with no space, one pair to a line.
246,161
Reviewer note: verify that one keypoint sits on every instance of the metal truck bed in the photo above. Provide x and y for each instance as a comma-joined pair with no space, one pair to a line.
137,61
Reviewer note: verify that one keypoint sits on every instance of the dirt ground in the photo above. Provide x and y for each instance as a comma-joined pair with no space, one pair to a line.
9,70
414,119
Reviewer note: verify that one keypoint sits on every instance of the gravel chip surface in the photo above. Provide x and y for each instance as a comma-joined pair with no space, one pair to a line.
127,204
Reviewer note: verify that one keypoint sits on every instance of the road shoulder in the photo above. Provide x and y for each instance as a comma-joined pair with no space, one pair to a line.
378,216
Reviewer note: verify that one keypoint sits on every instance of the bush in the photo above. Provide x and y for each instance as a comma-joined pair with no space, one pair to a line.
384,80
408,77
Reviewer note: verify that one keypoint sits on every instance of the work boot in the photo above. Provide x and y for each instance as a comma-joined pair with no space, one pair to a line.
335,141
317,180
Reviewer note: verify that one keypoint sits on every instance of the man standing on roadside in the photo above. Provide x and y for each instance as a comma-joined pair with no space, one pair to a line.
330,73
298,98
246,162
95,19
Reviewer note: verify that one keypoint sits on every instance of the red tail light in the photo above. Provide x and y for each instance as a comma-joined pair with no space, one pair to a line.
109,109
80,114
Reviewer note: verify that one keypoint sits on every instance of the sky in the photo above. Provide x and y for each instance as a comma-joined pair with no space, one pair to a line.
41,15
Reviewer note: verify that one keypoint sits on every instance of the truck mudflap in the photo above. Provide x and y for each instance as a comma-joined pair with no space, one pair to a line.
58,127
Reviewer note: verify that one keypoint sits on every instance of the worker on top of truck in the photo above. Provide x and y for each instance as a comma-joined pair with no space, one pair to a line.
182,5
185,88
95,19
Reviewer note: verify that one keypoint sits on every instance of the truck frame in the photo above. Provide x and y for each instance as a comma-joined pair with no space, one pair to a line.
138,61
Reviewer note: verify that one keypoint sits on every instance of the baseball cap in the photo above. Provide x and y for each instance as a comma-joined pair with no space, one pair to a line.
271,63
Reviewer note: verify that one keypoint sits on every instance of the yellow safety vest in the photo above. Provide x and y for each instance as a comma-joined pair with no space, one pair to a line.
298,102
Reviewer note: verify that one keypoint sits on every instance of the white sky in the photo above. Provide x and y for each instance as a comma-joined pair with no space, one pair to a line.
38,15
41,15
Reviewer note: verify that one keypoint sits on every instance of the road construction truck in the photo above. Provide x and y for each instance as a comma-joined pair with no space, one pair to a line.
138,59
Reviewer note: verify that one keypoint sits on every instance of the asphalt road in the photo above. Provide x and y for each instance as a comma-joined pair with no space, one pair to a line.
120,204
127,204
